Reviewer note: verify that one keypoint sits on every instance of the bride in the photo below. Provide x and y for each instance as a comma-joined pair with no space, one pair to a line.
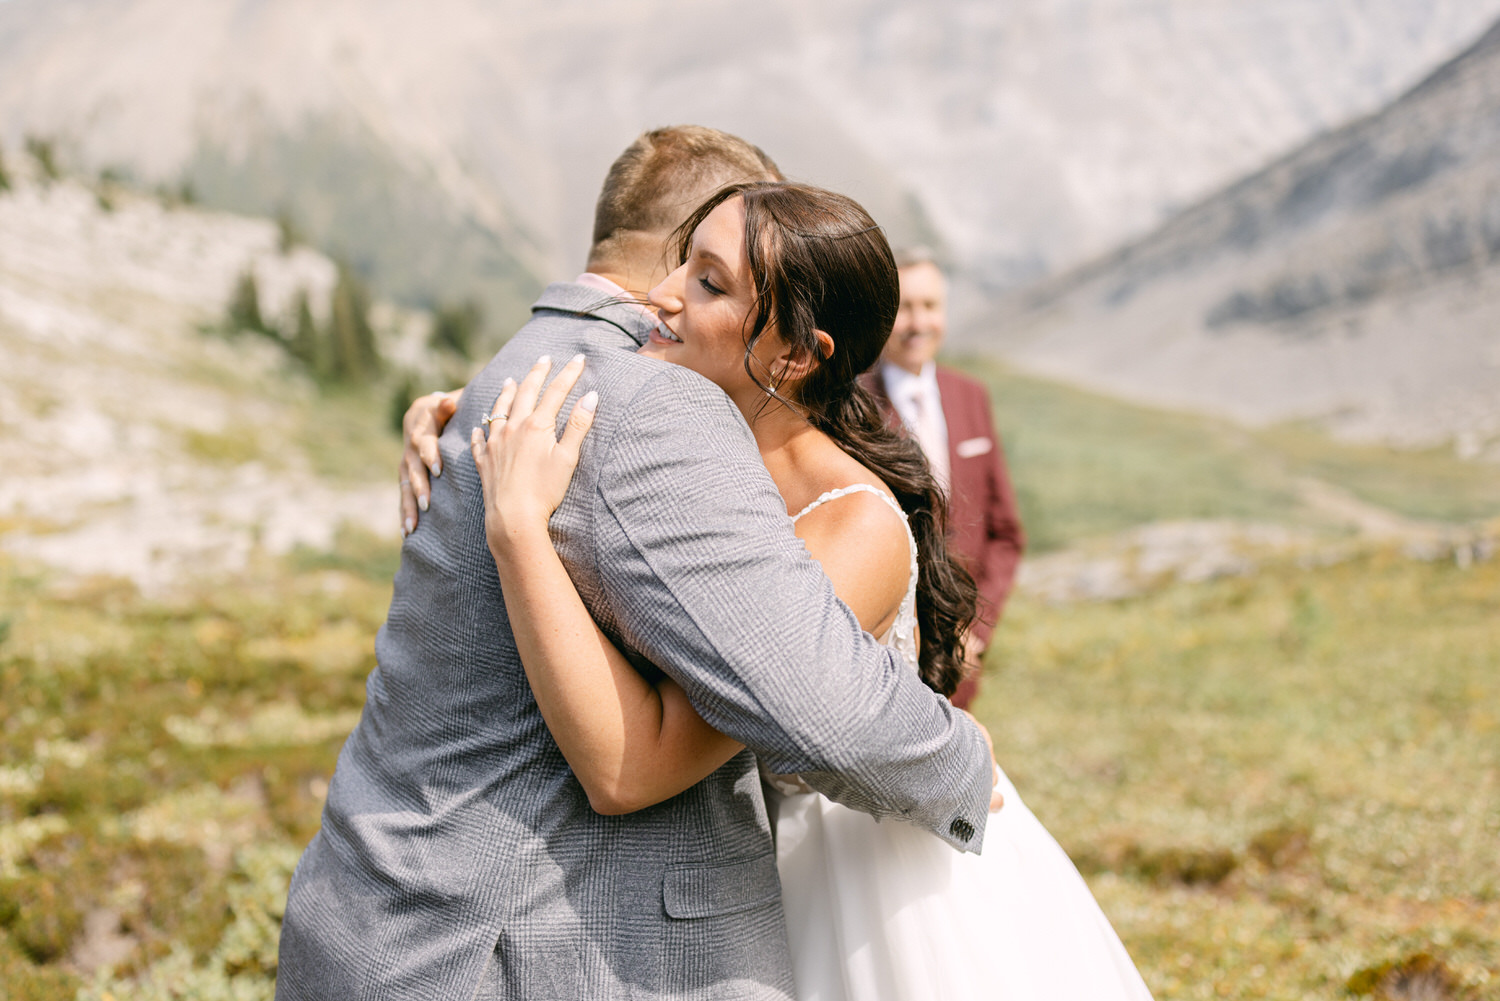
784,295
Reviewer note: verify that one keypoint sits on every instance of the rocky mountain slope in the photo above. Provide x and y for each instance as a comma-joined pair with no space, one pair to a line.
454,147
135,444
1356,281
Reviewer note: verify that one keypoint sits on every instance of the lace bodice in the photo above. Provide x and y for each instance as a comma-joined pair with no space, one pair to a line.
901,636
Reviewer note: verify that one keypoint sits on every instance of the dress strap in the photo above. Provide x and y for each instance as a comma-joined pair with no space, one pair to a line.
853,488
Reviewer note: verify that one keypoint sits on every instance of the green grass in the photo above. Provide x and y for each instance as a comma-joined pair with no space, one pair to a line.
1277,786
163,763
1428,484
1086,465
1274,782
345,437
355,551
1271,782
231,449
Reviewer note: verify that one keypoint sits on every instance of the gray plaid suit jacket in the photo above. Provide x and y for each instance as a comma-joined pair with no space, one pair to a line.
458,856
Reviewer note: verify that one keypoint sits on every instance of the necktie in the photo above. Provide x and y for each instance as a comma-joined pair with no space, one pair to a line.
929,430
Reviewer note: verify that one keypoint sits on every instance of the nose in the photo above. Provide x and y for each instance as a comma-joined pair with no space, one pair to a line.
667,297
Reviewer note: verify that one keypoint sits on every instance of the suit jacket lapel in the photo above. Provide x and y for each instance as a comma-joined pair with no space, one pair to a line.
955,415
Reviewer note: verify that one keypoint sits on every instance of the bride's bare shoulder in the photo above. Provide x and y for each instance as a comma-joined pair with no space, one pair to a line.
862,544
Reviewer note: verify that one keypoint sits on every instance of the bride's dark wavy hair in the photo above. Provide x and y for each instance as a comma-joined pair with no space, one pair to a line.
819,262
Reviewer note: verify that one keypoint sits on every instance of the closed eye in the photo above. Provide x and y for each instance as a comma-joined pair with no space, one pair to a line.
709,287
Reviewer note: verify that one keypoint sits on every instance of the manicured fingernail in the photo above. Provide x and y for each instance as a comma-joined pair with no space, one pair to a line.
544,360
436,467
576,359
507,383
422,503
590,400
411,523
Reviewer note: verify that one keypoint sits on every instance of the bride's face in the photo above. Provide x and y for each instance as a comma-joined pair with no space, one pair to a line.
706,307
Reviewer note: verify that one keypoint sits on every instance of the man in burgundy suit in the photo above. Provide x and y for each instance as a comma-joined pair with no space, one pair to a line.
949,414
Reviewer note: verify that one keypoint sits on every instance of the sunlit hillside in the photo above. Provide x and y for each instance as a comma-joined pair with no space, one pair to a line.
183,389
455,147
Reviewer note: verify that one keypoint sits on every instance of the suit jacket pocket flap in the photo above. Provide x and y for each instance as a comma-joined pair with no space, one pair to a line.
704,890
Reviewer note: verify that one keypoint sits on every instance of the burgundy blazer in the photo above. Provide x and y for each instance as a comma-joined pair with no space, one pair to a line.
984,528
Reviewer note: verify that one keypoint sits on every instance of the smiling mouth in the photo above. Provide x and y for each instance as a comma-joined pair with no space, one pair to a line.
664,332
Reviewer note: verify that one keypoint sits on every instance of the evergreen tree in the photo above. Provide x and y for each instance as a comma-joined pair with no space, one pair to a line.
456,328
244,306
286,227
45,155
305,341
354,354
401,397
108,188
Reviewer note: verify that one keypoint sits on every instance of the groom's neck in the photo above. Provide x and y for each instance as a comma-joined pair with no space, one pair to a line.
637,262
631,286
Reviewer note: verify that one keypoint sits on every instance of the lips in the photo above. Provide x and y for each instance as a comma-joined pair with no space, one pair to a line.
664,333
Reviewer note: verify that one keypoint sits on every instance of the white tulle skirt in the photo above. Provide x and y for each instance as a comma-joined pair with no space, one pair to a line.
886,912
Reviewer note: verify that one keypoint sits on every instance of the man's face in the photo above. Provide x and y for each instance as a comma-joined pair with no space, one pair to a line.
922,320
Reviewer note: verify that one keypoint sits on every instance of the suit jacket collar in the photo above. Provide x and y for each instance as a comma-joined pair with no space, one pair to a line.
900,385
581,300
950,390
894,376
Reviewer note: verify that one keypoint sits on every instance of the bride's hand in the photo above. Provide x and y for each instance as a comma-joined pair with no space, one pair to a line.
420,428
524,467
997,798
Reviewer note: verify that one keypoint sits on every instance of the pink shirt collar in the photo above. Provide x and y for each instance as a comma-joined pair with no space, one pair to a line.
603,284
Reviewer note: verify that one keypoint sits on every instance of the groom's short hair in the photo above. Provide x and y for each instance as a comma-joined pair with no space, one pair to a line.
661,177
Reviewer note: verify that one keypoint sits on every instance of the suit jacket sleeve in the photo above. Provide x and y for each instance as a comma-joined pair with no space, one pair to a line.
699,563
1004,540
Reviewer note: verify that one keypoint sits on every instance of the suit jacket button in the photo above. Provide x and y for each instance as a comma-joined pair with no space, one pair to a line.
961,829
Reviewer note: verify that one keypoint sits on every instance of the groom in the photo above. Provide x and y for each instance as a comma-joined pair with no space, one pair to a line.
458,856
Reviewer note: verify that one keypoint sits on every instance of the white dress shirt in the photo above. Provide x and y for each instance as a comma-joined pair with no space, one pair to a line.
917,400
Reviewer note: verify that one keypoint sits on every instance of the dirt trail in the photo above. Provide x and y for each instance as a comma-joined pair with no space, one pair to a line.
1130,562
1370,520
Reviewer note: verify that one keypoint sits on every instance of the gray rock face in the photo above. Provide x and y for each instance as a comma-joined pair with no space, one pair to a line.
1023,136
1355,281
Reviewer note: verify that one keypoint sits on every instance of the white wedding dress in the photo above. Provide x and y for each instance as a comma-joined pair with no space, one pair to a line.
887,912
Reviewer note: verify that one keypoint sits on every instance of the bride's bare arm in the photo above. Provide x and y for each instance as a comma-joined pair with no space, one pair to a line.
630,743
